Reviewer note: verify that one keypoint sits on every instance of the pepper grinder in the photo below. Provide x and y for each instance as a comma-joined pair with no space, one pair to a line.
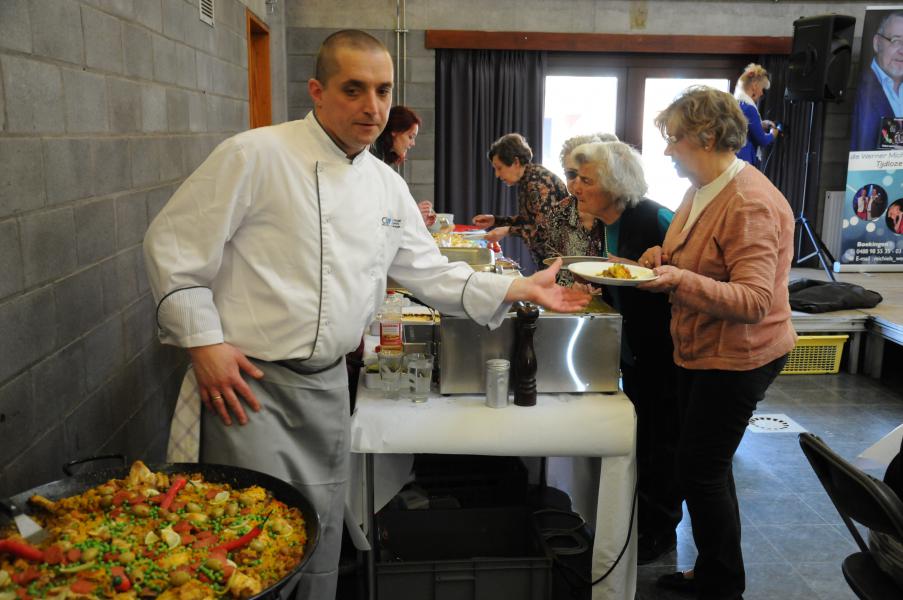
525,355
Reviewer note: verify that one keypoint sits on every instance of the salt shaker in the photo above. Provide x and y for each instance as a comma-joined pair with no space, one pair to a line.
497,370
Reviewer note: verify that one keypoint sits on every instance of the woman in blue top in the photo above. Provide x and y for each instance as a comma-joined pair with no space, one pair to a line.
750,88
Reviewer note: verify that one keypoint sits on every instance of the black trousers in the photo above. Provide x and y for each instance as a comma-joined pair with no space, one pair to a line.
715,410
652,387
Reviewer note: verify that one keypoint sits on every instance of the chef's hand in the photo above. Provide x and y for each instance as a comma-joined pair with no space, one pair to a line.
541,288
496,234
667,281
427,212
484,221
653,257
583,285
218,370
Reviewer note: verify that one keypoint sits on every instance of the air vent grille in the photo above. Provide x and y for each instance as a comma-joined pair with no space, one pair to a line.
206,8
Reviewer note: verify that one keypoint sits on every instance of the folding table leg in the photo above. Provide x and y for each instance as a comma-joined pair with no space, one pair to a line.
371,526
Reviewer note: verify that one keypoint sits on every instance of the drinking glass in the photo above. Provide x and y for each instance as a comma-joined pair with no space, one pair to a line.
390,366
420,375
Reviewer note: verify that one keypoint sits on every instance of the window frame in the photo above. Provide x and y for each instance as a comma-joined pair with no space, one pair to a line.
632,71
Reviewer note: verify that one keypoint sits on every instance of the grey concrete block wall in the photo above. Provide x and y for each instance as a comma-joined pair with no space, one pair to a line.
86,101
33,94
56,29
104,110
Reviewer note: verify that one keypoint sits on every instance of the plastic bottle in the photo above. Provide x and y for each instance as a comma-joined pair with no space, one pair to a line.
390,326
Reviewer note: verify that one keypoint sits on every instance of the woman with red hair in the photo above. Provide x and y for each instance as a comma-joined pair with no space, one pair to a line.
393,144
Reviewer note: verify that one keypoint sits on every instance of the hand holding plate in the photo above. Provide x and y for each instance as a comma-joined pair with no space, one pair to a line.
666,280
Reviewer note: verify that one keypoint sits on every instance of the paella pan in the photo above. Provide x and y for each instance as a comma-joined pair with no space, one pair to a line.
171,531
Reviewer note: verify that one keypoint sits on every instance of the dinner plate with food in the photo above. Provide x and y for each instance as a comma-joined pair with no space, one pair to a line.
609,273
569,260
473,234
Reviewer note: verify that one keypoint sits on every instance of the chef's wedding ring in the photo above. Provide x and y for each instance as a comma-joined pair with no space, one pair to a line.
216,398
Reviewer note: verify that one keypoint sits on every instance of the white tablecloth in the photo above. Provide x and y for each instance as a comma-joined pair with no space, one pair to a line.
560,425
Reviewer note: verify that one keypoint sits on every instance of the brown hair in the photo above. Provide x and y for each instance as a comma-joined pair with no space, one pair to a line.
511,146
346,38
401,118
708,115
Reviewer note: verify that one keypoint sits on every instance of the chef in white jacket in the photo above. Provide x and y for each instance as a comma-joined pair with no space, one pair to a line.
269,261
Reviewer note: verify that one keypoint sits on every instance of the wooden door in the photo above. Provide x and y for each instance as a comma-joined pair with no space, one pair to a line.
259,96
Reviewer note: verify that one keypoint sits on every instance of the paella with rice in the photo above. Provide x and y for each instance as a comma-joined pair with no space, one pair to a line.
155,535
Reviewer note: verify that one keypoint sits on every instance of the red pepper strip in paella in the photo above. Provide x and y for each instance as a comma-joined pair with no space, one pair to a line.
177,485
240,542
22,550
121,582
82,586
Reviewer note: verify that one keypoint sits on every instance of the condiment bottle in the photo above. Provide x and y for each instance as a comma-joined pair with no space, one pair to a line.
390,326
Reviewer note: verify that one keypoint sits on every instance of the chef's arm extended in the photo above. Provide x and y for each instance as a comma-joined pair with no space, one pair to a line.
541,288
455,289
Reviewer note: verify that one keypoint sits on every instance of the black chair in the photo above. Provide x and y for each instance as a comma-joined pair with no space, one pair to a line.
861,498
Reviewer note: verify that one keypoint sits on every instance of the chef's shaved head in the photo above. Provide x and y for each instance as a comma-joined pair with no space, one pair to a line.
352,39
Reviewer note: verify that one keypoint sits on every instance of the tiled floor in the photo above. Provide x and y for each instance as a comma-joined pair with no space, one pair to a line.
793,539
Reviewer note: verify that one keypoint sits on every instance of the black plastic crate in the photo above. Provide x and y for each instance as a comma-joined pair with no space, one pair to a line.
473,481
570,542
462,554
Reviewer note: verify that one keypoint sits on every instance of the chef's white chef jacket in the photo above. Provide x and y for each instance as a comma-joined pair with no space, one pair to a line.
280,245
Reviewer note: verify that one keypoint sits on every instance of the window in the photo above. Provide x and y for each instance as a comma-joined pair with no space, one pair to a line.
575,106
621,94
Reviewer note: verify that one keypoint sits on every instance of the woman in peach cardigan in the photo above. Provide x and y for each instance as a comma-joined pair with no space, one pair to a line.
725,264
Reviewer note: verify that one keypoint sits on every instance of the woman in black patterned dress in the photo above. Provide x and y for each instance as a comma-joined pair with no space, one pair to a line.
540,196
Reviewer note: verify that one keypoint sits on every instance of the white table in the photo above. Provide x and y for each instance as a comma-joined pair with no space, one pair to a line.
560,425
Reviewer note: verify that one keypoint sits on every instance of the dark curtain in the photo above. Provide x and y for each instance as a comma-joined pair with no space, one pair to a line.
786,165
480,96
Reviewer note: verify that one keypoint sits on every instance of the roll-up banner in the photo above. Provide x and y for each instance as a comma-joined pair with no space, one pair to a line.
871,237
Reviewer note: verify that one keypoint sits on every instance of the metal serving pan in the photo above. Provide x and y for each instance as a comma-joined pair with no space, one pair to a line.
472,256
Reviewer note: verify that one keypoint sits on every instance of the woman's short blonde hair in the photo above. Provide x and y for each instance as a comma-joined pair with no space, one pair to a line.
707,115
618,168
755,73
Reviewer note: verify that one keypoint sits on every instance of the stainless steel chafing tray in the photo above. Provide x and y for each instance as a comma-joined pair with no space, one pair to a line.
574,352
472,256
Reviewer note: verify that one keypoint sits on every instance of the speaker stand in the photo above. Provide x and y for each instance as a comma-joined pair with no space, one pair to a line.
821,251
819,248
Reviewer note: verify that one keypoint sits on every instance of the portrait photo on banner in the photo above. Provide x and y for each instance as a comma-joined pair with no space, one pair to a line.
872,222
877,120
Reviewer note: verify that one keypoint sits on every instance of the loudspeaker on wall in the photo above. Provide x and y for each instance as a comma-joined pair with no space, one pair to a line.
820,59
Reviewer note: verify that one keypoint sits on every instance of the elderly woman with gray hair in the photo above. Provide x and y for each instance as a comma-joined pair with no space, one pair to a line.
609,185
578,233
725,266
554,227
